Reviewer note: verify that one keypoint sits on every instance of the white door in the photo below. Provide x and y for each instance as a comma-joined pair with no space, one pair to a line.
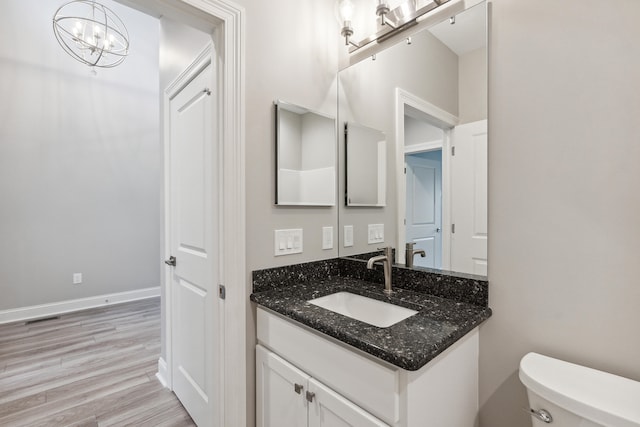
193,195
469,198
424,208
280,392
329,409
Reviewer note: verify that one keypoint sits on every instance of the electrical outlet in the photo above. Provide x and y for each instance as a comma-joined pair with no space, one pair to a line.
77,278
327,237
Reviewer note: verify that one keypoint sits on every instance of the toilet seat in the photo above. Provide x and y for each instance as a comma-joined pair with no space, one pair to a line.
597,396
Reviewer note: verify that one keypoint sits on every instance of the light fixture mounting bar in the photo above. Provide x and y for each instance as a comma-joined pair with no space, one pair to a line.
402,20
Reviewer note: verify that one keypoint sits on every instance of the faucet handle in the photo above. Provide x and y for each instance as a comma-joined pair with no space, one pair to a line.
410,245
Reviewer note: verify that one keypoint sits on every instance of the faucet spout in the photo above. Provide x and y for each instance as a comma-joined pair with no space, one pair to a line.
410,253
375,259
386,263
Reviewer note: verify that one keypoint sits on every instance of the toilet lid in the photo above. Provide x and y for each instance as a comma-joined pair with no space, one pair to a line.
591,394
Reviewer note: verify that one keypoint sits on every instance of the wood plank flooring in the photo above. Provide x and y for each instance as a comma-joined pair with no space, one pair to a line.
90,368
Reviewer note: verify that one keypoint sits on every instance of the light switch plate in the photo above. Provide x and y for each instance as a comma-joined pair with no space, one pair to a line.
287,242
375,233
327,237
348,236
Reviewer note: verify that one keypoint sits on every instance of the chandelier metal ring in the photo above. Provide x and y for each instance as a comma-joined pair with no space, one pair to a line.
91,33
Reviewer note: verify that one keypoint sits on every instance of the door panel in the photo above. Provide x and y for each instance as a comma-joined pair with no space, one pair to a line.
193,200
329,409
278,404
424,208
469,198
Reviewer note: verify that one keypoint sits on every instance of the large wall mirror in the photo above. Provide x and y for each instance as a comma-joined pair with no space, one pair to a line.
428,97
305,157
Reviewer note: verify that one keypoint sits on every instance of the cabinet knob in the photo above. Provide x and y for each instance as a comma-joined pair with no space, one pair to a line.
298,388
310,396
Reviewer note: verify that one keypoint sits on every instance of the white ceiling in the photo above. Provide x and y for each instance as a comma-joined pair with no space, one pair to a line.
467,34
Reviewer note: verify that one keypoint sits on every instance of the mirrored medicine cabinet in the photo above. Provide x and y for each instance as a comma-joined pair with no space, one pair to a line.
305,157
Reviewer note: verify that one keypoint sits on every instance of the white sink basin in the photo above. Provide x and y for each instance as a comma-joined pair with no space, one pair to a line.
367,310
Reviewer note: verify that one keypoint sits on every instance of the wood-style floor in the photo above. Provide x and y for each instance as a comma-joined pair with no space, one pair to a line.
91,368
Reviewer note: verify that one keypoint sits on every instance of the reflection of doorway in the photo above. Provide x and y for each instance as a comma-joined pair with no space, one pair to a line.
424,206
421,128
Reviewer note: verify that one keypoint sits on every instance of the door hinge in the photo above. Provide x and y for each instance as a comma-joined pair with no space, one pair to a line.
453,228
453,150
405,170
222,292
405,221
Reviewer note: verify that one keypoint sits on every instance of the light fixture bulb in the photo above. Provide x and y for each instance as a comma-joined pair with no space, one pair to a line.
346,9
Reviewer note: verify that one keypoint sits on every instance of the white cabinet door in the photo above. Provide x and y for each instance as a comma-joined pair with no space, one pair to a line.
329,409
280,392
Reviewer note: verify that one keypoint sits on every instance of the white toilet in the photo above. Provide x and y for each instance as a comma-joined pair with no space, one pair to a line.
562,394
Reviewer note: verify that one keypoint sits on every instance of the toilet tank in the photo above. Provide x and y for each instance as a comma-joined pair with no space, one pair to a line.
578,395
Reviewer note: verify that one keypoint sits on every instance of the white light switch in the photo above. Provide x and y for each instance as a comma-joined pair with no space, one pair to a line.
348,236
327,237
77,278
288,242
375,233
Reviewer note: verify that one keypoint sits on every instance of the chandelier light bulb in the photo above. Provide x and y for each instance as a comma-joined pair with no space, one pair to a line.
107,42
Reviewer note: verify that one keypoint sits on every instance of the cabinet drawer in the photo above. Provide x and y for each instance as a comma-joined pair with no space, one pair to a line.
371,385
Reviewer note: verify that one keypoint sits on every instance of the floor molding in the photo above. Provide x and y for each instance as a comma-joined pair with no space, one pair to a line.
61,307
161,375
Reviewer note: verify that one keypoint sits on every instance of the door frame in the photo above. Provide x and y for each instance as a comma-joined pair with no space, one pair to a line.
446,121
228,18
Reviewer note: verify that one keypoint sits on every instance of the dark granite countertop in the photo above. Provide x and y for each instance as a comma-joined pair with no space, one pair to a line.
409,344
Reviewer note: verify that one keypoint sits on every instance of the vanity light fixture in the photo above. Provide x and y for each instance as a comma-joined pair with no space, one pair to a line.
91,33
391,21
346,9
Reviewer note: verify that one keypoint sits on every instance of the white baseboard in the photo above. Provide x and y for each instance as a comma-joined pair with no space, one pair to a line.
56,308
162,373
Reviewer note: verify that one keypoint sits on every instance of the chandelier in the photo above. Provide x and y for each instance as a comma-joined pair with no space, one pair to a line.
91,33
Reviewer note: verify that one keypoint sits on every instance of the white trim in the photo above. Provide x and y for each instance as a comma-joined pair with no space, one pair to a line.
202,60
162,373
444,120
229,40
422,147
61,307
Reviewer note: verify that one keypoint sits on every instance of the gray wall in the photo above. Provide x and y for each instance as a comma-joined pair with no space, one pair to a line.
472,80
79,163
563,201
291,55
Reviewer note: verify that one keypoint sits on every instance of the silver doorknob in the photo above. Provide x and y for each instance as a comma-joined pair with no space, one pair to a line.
171,261
438,230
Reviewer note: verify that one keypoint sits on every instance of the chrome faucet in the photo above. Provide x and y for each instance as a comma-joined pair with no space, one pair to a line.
386,263
409,253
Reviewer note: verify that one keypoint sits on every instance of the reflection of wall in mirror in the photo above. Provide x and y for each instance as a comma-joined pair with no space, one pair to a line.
306,159
426,68
366,165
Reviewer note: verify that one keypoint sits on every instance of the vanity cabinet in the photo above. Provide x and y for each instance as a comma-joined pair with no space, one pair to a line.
287,396
352,388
